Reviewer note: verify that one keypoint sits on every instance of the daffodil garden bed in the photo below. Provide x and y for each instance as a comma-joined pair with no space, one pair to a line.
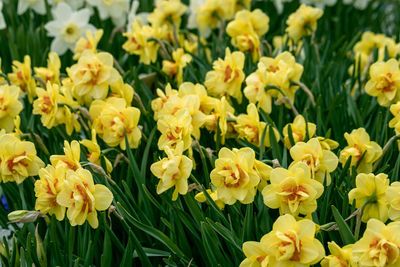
201,133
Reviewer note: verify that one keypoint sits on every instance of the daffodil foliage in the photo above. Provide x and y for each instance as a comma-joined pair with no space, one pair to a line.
200,133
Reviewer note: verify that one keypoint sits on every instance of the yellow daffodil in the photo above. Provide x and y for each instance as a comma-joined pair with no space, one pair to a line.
370,194
393,199
292,243
281,72
264,171
175,129
112,119
256,254
10,106
384,82
174,170
89,43
299,130
207,103
292,191
18,159
138,42
200,197
395,122
22,77
167,12
212,13
250,128
234,175
122,90
52,72
94,155
166,97
51,182
303,22
327,144
174,68
71,157
379,246
362,151
339,257
320,161
246,30
218,120
83,198
47,105
227,76
255,91
92,76
364,49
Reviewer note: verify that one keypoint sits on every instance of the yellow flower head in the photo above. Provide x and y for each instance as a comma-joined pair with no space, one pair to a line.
379,246
292,243
303,22
10,106
122,90
94,155
340,257
393,199
234,175
320,161
22,77
256,255
175,129
227,77
89,43
362,151
292,191
46,105
281,72
207,103
112,118
51,182
246,30
92,76
165,99
255,89
167,12
395,122
363,50
200,197
384,82
174,170
52,72
250,128
279,42
174,68
370,193
71,157
299,130
18,159
83,198
213,12
219,119
138,42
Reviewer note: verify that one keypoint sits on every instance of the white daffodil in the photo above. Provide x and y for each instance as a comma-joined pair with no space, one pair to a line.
75,4
36,5
2,21
132,16
67,27
117,10
193,7
319,3
359,4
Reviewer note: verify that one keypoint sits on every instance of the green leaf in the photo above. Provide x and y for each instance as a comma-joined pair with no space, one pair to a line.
344,229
